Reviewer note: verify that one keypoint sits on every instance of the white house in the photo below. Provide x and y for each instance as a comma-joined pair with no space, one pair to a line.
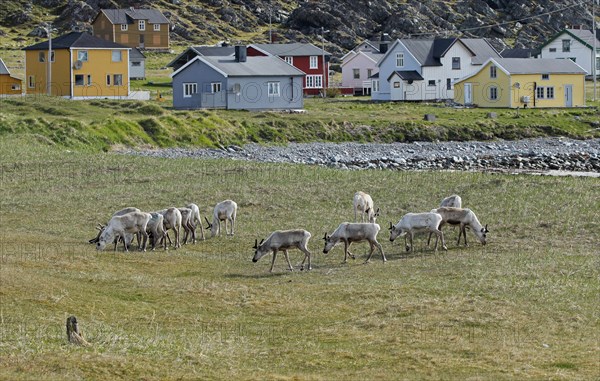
574,44
426,69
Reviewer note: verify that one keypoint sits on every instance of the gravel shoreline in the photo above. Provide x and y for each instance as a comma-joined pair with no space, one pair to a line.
543,155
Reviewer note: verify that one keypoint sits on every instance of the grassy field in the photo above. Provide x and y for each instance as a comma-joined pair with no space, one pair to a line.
525,306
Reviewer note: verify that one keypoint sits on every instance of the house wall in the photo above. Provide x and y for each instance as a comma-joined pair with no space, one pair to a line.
202,75
440,74
581,53
6,84
104,29
61,84
137,72
481,84
361,62
388,65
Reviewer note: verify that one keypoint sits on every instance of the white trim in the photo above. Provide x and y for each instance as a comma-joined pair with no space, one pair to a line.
260,50
356,55
199,58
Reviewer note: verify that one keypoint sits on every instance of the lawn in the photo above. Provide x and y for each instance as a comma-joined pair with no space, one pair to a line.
525,306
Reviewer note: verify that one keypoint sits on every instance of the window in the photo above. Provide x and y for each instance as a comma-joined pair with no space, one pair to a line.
431,82
448,84
156,27
314,81
116,56
189,89
118,80
82,55
493,71
455,63
215,87
136,64
549,92
552,50
375,85
566,45
493,93
107,79
314,63
545,77
396,84
142,24
141,39
289,60
369,73
42,56
89,80
356,73
79,80
123,27
31,82
15,86
399,59
597,64
273,89
539,93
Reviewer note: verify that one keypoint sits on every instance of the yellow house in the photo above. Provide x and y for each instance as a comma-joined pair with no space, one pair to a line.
81,67
9,84
523,82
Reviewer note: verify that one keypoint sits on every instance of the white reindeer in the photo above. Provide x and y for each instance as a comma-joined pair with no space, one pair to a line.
284,240
172,220
156,230
463,218
412,223
354,232
186,223
128,238
453,201
130,223
224,211
196,220
363,203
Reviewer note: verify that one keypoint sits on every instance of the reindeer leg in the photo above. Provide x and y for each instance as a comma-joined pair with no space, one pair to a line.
406,247
287,258
306,255
273,261
372,247
443,242
144,245
412,246
381,251
345,252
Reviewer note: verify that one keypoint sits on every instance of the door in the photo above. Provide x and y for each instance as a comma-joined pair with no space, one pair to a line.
142,40
568,95
396,88
468,94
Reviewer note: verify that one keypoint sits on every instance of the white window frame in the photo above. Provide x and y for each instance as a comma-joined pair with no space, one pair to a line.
120,81
545,77
493,71
124,27
82,55
156,27
566,46
540,90
375,85
15,86
273,89
314,62
550,92
369,73
289,59
189,89
431,82
82,80
141,24
457,61
400,59
42,56
215,87
314,81
493,93
113,55
355,73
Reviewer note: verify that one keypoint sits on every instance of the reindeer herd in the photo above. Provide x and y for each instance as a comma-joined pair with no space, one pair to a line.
153,227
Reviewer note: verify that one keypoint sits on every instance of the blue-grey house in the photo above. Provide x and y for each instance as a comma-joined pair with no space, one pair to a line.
238,83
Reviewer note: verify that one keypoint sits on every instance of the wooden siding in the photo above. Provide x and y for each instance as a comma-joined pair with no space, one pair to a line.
131,37
6,84
103,28
61,84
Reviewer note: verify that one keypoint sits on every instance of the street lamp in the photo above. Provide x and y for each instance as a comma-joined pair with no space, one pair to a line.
48,28
323,31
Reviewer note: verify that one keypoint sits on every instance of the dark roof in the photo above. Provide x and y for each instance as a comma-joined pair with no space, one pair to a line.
135,53
518,53
208,51
481,48
428,52
407,75
291,49
3,68
376,75
76,40
129,16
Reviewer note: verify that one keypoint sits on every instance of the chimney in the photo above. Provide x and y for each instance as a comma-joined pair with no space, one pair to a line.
240,53
383,43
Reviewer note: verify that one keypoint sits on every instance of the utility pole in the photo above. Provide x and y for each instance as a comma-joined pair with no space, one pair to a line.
323,31
270,27
594,49
48,29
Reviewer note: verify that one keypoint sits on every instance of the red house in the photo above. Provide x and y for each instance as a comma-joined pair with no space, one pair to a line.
311,60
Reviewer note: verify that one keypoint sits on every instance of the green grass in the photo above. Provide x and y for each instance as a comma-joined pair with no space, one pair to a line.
522,307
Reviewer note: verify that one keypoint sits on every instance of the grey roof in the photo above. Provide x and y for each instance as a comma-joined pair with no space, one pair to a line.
253,67
407,75
481,48
3,68
129,16
539,66
193,51
518,53
586,36
291,49
374,56
135,53
76,40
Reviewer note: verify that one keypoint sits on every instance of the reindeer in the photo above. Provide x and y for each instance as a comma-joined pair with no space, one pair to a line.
172,220
354,232
417,222
186,222
134,222
463,218
128,238
156,230
196,220
363,203
283,240
453,201
224,211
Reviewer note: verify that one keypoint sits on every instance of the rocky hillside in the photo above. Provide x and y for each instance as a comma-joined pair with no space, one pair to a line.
507,22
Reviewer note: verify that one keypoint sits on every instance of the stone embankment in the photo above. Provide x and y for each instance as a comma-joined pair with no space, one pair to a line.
537,155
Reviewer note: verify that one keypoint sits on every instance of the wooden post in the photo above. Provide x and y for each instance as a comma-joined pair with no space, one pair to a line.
73,335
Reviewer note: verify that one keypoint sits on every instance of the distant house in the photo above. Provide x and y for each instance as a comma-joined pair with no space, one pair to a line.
237,83
9,84
137,64
135,28
426,69
194,51
83,67
519,53
311,60
523,82
576,45
360,64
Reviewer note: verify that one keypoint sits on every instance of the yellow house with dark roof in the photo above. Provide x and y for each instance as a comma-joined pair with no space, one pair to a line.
523,82
82,67
9,84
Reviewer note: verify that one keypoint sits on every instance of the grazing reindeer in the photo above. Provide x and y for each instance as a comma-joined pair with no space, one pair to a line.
128,238
186,223
363,203
417,222
224,211
453,201
134,222
463,218
156,230
172,220
196,220
354,232
284,240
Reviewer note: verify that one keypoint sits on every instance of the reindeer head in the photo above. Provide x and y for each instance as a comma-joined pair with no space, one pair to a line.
106,236
394,232
483,234
258,250
373,216
329,243
100,229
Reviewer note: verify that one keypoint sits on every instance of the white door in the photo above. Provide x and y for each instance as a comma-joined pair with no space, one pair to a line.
568,95
396,88
468,94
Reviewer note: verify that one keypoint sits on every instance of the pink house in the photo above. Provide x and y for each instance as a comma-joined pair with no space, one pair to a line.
360,64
